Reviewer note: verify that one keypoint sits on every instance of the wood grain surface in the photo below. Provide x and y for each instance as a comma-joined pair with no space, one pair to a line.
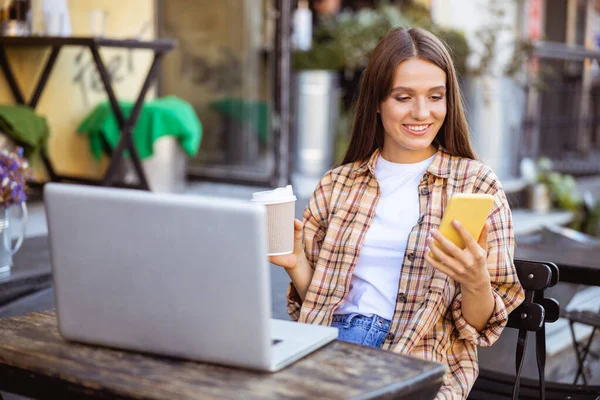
36,361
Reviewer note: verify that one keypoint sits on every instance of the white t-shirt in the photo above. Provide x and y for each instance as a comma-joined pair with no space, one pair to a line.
374,284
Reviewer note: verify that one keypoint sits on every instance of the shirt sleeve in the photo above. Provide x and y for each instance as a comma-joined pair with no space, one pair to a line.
315,223
506,288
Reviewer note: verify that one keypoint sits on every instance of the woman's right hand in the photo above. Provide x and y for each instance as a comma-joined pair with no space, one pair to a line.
289,261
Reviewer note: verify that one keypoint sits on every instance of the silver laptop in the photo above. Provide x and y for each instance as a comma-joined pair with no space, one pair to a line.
177,275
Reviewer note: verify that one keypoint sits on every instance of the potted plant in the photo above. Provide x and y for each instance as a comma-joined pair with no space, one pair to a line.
537,178
492,70
327,76
14,172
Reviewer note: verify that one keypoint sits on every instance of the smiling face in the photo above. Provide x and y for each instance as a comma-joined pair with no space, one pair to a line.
414,111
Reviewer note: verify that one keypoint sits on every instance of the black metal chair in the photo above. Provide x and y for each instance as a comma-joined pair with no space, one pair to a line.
582,349
531,316
562,236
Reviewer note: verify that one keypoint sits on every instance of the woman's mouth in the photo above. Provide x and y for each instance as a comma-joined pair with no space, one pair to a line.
417,130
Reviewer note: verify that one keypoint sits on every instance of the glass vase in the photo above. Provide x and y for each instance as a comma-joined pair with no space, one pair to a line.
7,250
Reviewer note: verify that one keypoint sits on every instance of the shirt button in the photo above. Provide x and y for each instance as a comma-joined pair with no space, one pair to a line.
390,336
425,191
411,257
401,298
421,218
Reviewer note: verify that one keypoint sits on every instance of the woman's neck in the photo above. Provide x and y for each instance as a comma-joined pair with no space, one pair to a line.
407,156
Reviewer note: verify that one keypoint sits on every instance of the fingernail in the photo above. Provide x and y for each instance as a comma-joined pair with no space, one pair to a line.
430,239
455,223
433,232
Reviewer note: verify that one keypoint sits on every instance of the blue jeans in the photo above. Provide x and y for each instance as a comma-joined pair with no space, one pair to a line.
356,328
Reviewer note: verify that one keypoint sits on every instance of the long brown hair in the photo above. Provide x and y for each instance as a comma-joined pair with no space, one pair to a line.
396,46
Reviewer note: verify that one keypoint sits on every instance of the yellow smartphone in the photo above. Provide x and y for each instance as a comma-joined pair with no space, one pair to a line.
471,210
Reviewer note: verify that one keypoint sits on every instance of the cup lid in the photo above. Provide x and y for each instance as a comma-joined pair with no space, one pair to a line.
279,195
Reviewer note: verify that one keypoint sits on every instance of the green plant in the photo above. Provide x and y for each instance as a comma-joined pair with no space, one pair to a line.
419,15
479,56
486,45
562,187
590,220
324,56
345,42
566,195
457,44
564,192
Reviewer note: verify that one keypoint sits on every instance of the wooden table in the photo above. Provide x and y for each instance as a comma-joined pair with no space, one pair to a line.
36,362
575,264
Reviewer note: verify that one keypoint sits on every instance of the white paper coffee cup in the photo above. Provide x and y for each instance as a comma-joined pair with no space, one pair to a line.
280,204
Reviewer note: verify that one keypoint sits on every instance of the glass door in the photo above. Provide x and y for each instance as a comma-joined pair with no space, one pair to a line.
228,65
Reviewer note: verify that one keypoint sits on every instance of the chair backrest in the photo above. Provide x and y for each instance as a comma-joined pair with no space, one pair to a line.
532,315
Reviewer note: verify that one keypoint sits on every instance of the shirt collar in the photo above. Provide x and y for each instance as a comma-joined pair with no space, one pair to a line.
440,165
361,167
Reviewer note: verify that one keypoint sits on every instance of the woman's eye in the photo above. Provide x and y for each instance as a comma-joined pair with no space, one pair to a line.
437,98
403,99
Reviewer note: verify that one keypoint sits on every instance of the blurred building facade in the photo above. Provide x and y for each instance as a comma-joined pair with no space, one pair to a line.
549,107
235,68
563,113
233,63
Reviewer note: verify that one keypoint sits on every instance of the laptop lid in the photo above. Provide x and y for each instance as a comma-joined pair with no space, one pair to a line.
179,275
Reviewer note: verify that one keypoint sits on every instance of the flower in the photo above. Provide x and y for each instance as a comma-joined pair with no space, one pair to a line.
14,172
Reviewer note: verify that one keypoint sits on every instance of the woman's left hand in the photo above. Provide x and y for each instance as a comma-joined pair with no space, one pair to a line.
467,266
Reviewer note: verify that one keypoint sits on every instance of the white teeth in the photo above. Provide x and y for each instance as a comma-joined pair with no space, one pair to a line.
417,128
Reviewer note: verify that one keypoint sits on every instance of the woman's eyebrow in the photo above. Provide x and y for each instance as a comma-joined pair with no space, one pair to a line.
438,88
403,89
410,90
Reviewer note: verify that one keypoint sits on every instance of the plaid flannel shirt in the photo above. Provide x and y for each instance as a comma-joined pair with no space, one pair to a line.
428,321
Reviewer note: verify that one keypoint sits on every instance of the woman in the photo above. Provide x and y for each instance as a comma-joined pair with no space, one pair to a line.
364,266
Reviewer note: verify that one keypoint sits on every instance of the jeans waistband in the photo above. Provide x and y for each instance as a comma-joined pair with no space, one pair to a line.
356,319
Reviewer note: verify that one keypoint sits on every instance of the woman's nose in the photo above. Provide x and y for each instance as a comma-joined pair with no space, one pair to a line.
420,110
